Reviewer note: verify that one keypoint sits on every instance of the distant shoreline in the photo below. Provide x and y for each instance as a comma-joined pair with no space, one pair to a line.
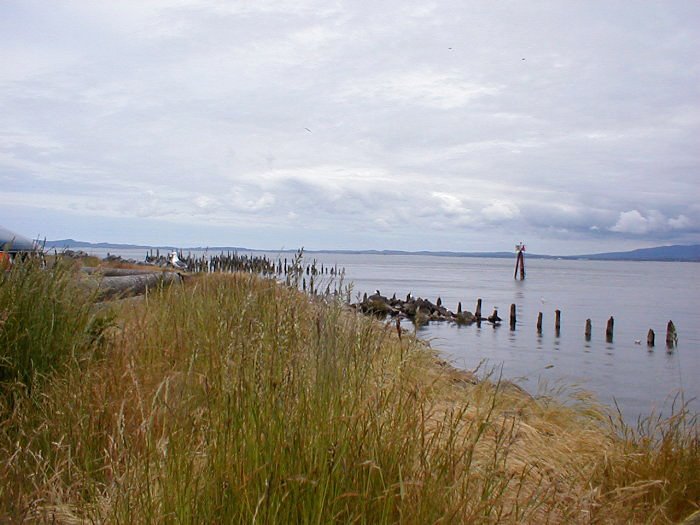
675,253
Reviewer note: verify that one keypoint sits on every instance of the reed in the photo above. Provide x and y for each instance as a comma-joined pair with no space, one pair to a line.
235,399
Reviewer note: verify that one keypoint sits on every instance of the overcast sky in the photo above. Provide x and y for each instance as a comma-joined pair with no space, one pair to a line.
450,125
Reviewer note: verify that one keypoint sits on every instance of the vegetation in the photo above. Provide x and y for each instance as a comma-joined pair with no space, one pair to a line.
45,320
235,399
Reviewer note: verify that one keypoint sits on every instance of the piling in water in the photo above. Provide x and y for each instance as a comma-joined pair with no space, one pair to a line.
557,321
512,316
609,328
539,322
651,338
671,335
588,329
477,313
520,262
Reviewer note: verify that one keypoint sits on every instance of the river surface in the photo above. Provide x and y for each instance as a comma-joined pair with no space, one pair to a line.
639,295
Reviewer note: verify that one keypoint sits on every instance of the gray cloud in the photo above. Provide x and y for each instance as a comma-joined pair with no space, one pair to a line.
415,125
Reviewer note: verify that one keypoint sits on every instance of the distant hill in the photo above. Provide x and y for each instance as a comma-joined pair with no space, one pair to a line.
660,253
72,243
683,253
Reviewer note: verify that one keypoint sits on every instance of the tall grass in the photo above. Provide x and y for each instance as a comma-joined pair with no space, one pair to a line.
45,319
234,399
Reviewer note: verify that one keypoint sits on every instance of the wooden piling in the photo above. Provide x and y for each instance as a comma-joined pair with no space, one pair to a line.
477,313
609,330
539,322
557,321
671,335
651,338
588,330
459,307
512,316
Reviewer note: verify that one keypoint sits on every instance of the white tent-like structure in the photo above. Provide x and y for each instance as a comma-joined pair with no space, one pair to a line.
11,242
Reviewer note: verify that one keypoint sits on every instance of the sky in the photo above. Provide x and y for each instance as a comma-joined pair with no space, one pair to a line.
573,126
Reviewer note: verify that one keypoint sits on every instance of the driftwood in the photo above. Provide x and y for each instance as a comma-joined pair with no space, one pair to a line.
119,286
116,272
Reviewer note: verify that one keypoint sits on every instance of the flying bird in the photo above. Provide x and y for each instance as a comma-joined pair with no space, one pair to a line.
307,129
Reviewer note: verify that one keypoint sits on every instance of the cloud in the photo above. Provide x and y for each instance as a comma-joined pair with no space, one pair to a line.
500,210
425,87
634,222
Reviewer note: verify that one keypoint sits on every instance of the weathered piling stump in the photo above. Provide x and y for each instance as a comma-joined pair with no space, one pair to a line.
513,318
651,338
459,307
609,329
494,318
588,330
671,335
557,322
539,322
477,313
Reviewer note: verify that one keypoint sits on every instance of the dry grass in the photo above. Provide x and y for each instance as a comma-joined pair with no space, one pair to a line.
233,399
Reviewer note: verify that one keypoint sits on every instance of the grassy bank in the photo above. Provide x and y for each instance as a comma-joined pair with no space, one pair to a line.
233,399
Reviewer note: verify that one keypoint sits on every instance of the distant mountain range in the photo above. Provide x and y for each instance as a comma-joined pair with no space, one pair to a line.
682,253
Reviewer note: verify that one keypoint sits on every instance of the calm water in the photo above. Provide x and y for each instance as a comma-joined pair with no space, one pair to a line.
640,295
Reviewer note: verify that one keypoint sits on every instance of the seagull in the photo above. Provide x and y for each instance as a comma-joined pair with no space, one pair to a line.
307,129
638,341
175,261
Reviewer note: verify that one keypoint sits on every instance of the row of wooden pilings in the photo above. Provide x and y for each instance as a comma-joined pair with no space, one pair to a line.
233,262
671,334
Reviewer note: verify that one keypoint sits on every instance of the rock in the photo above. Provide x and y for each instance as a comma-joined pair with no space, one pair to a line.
464,318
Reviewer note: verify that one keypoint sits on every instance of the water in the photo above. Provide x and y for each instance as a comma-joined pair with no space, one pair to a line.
639,295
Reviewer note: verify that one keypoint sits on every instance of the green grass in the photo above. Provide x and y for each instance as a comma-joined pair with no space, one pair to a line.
45,320
234,399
